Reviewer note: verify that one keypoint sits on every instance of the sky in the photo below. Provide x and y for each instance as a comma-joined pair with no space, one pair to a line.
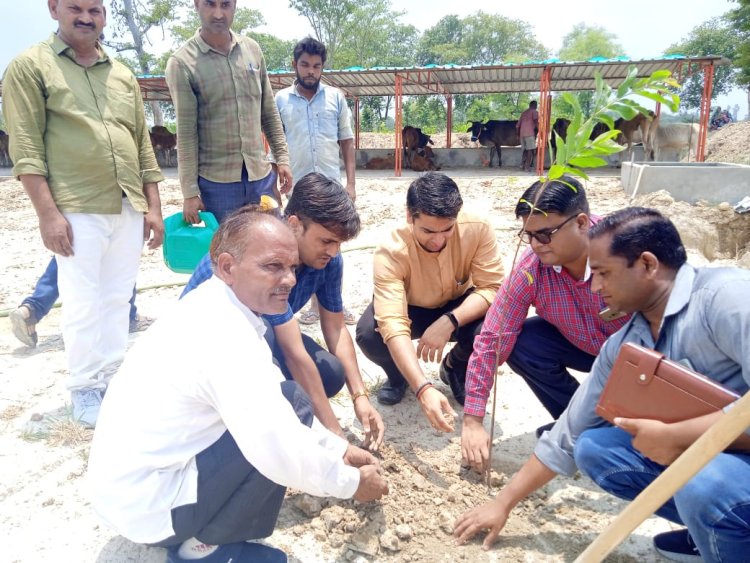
645,28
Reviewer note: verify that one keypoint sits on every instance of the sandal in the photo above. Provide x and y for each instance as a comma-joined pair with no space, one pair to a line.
308,317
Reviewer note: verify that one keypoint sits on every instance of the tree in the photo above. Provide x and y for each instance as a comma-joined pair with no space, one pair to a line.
133,19
740,21
582,43
478,39
329,20
277,52
716,36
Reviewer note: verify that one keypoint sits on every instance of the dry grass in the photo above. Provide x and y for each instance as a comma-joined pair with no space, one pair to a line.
10,412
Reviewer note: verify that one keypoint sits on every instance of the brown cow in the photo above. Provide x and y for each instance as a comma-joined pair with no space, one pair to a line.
413,140
421,163
639,129
560,126
495,134
4,155
164,143
381,163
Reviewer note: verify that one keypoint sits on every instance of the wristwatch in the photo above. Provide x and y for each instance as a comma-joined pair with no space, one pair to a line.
452,318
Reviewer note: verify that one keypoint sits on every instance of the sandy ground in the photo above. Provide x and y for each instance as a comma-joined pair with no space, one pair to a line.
44,511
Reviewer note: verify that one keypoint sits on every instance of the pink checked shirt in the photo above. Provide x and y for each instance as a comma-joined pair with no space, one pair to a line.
564,302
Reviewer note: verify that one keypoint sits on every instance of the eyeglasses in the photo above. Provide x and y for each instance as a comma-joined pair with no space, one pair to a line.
544,236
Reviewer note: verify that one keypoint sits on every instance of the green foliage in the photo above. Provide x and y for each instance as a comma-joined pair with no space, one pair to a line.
426,112
479,38
582,43
739,19
578,151
714,37
277,52
330,20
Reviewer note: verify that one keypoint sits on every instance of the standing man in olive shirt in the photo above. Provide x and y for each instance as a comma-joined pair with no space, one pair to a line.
82,152
223,101
434,279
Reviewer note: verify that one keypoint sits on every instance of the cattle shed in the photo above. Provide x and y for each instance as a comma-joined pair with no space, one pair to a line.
544,77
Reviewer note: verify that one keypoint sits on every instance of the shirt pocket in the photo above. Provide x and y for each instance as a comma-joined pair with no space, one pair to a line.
328,123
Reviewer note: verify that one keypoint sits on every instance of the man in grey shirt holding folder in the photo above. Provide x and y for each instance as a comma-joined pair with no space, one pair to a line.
698,316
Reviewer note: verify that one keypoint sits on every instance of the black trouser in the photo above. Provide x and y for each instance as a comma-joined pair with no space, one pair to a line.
235,502
541,356
374,349
330,368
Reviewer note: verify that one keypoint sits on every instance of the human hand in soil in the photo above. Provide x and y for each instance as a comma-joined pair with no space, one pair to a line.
433,341
372,423
372,486
653,439
490,517
475,443
357,457
437,409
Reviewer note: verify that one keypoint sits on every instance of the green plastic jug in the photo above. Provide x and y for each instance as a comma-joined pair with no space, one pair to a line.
185,244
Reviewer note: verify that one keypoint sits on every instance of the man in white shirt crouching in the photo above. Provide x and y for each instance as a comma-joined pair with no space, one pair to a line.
200,434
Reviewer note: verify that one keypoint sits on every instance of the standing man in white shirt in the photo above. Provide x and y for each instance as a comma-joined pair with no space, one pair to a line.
318,125
204,465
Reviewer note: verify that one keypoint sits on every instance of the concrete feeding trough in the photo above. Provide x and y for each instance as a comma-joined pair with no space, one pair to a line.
714,182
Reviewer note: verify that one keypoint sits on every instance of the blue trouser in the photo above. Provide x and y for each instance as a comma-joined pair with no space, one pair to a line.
235,501
329,367
223,198
714,504
541,356
46,293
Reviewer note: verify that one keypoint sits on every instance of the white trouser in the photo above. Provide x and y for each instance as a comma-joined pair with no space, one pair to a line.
96,284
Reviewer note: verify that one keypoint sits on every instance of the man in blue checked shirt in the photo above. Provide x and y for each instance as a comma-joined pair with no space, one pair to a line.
322,216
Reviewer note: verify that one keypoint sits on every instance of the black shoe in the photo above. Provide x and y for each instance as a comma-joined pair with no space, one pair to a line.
677,546
455,381
542,429
391,393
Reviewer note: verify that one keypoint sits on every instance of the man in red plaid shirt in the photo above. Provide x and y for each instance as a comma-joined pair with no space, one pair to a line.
567,331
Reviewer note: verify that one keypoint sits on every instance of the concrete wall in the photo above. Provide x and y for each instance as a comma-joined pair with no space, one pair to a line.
477,157
714,182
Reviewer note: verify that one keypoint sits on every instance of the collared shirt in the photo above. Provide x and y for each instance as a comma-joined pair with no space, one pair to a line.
82,128
166,406
706,325
324,283
406,274
222,102
527,123
313,129
566,303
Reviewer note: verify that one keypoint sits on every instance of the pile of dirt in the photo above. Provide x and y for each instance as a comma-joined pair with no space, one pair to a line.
731,143
387,141
715,231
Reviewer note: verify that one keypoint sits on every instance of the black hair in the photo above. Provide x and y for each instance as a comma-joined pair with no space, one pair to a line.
434,194
636,230
311,46
565,196
318,199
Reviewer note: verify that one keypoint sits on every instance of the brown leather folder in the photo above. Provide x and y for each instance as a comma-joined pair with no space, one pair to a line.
645,384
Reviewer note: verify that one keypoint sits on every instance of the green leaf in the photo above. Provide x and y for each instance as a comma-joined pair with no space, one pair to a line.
588,161
556,171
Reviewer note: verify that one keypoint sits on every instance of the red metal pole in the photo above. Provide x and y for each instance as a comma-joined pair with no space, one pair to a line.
449,125
545,104
708,86
398,126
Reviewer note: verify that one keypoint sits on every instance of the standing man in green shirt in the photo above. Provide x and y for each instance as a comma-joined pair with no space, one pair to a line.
81,149
223,101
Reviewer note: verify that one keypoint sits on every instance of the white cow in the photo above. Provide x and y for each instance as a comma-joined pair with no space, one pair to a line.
675,136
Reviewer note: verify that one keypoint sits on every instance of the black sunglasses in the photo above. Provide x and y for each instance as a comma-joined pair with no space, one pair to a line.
545,235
